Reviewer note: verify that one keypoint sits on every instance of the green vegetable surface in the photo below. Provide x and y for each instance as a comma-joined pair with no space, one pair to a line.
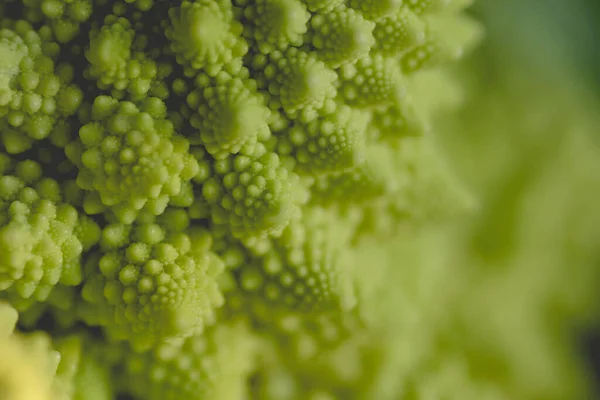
248,199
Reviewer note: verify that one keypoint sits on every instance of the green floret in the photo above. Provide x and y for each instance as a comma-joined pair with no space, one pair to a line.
33,95
274,24
398,121
94,379
330,143
424,192
87,231
307,265
376,9
65,16
373,81
113,62
341,36
295,81
297,295
40,244
251,195
399,32
229,115
152,281
215,365
448,37
298,271
14,49
360,185
322,5
70,350
8,319
204,35
130,159
356,186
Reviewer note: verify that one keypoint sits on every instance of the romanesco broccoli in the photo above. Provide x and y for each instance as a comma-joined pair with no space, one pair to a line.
245,199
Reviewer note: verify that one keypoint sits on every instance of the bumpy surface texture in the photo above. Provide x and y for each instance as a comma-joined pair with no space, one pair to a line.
235,199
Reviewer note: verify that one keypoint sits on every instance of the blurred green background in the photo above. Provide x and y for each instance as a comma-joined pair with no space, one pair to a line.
549,51
547,28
